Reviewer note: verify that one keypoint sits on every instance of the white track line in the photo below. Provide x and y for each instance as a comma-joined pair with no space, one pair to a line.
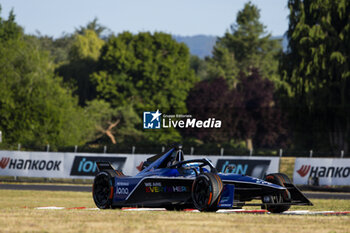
50,208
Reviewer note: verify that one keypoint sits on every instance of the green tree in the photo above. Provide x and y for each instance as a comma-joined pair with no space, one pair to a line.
34,106
58,48
83,55
148,71
92,26
9,30
113,125
317,67
223,64
247,45
199,66
151,71
86,45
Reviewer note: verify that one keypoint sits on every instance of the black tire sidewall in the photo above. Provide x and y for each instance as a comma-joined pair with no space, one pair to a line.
215,187
108,202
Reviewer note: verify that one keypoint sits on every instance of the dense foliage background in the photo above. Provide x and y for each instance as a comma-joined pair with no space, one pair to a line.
90,88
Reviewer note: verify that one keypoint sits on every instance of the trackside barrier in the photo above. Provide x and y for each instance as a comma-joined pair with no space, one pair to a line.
83,165
327,171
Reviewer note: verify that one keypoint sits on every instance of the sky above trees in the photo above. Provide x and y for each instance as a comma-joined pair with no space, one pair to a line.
179,17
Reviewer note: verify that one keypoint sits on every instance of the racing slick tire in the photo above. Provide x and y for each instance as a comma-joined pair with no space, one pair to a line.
285,197
102,190
206,192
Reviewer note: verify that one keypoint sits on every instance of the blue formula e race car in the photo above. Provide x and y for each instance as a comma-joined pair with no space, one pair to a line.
168,181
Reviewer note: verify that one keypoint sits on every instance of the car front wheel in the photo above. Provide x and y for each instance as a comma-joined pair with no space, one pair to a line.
206,191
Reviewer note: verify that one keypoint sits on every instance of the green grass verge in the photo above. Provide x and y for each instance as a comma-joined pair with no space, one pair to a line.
15,218
11,179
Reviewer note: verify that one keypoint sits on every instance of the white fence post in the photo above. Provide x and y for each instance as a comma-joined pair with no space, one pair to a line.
311,152
47,147
281,152
342,154
104,149
222,151
133,150
192,150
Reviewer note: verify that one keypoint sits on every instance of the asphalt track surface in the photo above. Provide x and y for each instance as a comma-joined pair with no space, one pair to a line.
76,188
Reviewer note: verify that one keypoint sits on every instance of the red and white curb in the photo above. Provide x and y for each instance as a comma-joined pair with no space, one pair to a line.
228,211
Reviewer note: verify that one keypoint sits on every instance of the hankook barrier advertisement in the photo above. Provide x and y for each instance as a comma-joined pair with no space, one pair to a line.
32,164
55,165
83,165
328,171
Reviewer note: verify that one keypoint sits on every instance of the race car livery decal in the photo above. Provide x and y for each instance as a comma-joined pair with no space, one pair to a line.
122,191
157,187
167,189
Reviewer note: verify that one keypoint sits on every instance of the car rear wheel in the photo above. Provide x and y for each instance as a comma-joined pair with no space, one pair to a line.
206,191
283,197
102,190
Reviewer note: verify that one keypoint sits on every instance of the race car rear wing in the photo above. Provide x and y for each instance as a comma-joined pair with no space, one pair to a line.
106,166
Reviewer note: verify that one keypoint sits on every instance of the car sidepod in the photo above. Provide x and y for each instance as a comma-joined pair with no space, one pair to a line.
152,191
